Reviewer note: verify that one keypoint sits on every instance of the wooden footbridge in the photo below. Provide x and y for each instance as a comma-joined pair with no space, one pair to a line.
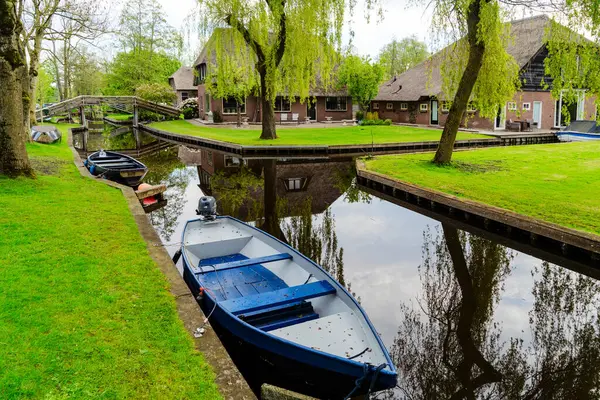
80,102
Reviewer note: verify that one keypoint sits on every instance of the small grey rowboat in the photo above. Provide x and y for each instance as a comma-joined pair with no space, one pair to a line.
293,313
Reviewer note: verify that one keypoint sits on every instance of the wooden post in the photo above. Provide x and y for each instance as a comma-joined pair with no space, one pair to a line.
82,116
135,115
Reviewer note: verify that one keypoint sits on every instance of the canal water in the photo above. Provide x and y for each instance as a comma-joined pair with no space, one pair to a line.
462,315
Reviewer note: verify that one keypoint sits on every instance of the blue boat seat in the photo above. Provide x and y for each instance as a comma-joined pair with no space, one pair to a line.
280,316
278,297
245,263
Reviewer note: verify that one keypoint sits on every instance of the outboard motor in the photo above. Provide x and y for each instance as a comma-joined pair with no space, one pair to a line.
207,207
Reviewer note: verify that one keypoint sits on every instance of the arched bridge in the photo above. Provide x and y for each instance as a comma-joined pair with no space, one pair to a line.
81,101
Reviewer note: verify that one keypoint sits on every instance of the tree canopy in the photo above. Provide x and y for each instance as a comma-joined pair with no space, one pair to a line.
362,79
401,55
294,44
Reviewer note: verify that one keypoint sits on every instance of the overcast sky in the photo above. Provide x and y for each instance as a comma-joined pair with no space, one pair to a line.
399,21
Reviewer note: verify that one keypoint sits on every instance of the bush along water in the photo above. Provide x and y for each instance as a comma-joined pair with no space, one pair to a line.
189,108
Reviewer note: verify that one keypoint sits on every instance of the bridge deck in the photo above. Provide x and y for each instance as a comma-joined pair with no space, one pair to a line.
79,101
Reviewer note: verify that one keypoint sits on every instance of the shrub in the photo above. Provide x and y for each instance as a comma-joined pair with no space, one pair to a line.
370,122
189,108
217,118
372,116
156,92
360,115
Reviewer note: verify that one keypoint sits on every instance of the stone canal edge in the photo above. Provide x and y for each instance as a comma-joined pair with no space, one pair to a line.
566,236
228,378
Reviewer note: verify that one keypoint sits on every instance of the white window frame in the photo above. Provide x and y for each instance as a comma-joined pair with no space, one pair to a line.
389,106
403,106
528,108
511,106
242,111
445,107
375,106
423,107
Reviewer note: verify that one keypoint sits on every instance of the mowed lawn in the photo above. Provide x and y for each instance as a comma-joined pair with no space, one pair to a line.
85,313
321,136
120,117
558,183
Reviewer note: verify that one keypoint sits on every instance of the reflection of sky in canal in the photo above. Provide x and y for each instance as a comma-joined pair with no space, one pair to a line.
383,254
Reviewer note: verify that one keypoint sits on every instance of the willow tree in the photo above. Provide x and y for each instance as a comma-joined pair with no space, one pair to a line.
477,67
13,155
294,44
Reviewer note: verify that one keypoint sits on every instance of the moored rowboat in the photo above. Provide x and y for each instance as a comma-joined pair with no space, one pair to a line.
284,306
117,167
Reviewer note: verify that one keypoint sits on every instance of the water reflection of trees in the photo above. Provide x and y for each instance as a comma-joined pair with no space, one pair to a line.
450,347
165,167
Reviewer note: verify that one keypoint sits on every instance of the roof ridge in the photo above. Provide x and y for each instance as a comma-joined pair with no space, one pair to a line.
539,16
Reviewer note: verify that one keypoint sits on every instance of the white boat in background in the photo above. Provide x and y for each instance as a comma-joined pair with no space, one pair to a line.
284,306
580,131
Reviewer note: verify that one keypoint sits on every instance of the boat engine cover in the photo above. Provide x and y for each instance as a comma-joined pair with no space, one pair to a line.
207,207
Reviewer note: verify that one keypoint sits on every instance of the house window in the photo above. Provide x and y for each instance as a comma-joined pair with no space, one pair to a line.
471,107
423,107
201,74
294,184
445,106
375,106
207,102
230,106
526,106
184,96
209,158
403,106
282,104
512,106
335,104
389,106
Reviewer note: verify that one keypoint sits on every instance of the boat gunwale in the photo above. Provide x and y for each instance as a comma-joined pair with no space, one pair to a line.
140,164
391,368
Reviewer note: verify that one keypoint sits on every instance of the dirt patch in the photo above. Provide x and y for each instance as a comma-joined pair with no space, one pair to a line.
488,166
47,165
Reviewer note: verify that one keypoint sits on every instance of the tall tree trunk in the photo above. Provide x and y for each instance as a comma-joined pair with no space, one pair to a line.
443,154
34,66
268,111
239,113
13,155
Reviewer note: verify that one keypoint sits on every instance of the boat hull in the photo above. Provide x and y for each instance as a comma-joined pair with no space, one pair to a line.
130,176
566,136
284,363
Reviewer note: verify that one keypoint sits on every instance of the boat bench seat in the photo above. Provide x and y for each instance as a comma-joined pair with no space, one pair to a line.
245,263
278,297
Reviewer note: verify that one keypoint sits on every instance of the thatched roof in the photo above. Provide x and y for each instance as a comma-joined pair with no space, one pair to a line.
425,80
203,58
183,79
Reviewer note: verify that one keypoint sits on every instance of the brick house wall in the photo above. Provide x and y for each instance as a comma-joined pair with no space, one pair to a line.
252,103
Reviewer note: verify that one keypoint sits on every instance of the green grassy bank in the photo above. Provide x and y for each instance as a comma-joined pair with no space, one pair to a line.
330,135
558,183
84,311
120,117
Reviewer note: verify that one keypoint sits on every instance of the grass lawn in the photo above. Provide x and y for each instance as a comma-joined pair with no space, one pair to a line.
557,183
334,135
120,117
84,311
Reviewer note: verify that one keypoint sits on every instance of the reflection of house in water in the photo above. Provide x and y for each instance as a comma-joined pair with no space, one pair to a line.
297,179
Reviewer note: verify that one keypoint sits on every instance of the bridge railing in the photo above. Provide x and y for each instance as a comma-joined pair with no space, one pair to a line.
81,101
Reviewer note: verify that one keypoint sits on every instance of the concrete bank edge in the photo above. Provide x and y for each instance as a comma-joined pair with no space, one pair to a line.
569,236
228,378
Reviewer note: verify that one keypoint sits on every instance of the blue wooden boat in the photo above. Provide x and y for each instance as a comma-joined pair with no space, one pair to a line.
117,167
580,131
271,297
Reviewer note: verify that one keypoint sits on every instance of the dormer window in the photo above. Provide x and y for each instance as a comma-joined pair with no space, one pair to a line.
294,184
